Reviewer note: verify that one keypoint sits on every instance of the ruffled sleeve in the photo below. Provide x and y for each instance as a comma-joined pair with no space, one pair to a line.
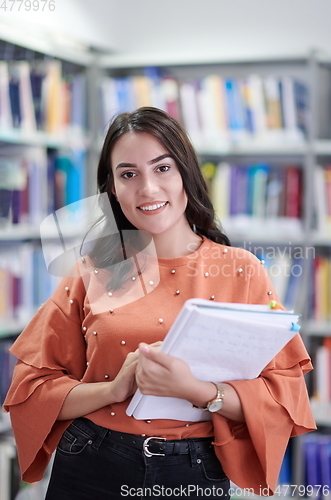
276,407
51,356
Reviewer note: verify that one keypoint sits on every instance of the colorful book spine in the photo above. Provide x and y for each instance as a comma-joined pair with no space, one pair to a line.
38,95
214,109
260,192
35,184
22,270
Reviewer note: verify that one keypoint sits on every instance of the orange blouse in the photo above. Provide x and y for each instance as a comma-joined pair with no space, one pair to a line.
74,338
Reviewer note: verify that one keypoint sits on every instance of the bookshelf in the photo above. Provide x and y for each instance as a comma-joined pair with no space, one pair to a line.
241,116
300,141
45,154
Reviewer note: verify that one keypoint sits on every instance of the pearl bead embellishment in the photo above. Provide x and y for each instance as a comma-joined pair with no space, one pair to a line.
94,333
66,288
151,282
212,297
173,271
133,278
106,376
270,292
71,301
160,320
206,274
113,414
110,294
177,292
123,342
96,271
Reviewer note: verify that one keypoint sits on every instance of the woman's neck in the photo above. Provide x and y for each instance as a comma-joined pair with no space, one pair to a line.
171,246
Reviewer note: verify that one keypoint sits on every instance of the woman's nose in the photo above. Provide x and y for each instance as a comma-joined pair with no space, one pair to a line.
148,187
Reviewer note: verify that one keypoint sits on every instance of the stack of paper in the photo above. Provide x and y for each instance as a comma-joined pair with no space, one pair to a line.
220,342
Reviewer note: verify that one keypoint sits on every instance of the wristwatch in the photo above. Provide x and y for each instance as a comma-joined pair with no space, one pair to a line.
216,403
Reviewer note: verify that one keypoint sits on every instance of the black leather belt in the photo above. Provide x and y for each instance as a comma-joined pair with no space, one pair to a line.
160,446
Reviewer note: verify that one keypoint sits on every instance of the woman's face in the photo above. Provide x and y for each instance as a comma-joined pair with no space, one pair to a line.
148,184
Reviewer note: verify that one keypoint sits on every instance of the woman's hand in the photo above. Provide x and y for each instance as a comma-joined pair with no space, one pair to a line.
124,384
159,374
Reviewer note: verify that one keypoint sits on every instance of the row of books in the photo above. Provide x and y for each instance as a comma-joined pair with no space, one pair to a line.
322,206
38,96
320,297
317,465
257,195
34,183
216,109
24,281
285,267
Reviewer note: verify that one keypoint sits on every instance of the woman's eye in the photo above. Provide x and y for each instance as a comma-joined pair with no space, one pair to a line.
128,175
164,168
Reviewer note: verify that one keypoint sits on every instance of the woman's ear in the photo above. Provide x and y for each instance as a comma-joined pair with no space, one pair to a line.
113,191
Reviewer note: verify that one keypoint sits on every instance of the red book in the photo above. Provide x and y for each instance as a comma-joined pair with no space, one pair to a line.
293,192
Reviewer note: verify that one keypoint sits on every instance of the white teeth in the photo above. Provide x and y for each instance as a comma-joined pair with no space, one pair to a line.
153,207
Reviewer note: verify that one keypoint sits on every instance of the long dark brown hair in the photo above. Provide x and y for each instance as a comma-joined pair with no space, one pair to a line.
199,212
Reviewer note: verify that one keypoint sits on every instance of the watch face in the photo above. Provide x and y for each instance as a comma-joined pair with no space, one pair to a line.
215,405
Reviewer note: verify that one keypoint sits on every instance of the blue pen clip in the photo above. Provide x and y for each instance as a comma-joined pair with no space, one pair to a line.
295,327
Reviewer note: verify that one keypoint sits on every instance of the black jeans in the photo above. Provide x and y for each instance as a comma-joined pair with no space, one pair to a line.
93,463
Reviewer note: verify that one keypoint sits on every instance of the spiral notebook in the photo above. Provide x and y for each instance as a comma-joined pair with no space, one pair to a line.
220,342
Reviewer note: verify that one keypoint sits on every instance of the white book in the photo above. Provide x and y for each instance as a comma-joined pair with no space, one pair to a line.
220,342
6,121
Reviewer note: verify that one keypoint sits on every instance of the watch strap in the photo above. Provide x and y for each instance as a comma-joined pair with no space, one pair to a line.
219,396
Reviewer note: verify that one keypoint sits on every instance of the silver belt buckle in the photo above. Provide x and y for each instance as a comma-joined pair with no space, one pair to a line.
146,444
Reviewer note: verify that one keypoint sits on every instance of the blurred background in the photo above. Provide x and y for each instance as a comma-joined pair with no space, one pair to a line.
250,80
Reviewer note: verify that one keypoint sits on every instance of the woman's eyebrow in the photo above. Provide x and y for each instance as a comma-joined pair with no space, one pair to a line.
159,158
151,162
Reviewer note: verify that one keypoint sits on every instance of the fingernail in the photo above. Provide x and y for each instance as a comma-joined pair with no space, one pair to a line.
144,347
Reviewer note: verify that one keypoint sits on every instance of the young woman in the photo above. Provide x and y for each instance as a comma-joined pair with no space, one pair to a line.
96,340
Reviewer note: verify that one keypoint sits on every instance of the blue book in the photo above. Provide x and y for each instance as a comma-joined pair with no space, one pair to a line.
15,103
311,460
36,79
301,105
324,445
234,105
124,94
294,283
78,100
285,473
